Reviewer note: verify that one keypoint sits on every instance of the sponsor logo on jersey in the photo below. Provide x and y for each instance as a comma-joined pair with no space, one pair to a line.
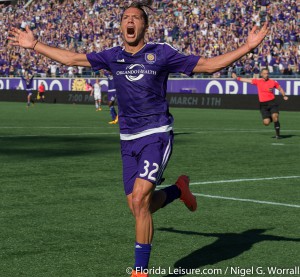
135,72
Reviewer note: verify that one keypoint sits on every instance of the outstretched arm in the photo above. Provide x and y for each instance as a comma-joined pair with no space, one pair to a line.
282,93
247,80
27,40
215,64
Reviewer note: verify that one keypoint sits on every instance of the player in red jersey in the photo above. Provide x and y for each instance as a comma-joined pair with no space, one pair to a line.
41,92
268,107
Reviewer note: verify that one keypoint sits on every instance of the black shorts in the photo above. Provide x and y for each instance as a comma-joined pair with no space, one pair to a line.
268,108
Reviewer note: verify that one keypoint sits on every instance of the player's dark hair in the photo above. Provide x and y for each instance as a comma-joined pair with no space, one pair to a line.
144,6
264,69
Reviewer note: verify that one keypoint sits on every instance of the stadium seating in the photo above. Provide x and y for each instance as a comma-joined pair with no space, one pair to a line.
205,28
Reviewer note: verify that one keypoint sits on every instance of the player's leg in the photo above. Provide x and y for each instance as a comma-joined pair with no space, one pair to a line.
28,99
163,197
99,104
141,199
266,121
274,109
145,159
113,112
139,194
142,159
275,117
265,114
160,153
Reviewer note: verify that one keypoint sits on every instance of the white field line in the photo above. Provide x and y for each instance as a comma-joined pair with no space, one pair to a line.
278,144
242,199
108,127
55,127
195,130
244,180
230,130
247,200
59,135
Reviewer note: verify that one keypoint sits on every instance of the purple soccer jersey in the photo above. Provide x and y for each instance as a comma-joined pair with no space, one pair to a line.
141,82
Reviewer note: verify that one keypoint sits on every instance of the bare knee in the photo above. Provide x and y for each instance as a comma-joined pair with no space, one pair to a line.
140,198
266,121
275,117
140,205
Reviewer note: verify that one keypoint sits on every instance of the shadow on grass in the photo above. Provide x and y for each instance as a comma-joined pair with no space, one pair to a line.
284,137
53,146
227,246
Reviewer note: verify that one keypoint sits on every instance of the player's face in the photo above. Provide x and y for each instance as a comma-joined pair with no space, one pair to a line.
265,74
133,26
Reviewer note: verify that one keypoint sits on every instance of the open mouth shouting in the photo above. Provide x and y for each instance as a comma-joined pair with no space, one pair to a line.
130,31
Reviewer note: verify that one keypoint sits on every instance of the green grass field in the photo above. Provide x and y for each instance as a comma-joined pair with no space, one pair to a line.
63,210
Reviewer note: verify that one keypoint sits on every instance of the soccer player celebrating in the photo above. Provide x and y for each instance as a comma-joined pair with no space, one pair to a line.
140,73
268,107
28,84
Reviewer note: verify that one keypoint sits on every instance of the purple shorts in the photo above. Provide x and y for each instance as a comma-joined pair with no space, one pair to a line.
146,158
111,96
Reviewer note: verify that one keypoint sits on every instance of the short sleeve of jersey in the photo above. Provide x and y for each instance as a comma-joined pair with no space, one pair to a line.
100,60
254,82
276,84
178,62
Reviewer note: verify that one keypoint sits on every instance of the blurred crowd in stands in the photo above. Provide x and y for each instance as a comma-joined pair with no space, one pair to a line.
200,27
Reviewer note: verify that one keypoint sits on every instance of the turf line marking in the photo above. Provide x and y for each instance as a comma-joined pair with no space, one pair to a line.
241,199
175,129
230,130
244,180
278,144
247,200
58,135
239,180
54,127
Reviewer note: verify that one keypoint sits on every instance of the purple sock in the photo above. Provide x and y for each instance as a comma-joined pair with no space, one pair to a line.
172,192
142,256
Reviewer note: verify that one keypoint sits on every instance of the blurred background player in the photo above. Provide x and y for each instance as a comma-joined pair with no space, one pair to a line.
27,80
268,107
41,92
111,98
96,91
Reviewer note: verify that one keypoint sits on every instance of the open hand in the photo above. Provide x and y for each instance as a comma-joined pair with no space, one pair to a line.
256,37
23,39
